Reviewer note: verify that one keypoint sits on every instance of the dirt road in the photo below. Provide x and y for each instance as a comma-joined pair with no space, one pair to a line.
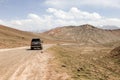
24,64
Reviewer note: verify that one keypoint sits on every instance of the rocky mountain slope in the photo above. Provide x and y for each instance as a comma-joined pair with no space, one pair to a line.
84,34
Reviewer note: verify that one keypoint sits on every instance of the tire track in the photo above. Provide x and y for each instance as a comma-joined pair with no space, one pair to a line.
27,64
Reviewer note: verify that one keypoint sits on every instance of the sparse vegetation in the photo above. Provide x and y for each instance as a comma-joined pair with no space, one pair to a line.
86,63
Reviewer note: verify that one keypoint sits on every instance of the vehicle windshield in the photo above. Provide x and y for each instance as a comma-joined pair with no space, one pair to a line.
35,40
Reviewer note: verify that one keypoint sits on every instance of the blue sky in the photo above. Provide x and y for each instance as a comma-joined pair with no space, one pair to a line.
11,9
38,15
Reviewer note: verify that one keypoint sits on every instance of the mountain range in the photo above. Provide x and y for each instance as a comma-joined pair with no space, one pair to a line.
86,34
83,34
110,27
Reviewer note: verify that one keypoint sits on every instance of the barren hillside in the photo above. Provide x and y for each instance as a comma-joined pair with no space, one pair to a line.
84,34
10,37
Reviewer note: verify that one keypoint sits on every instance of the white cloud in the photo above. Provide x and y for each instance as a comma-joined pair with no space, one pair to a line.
55,18
78,3
1,21
73,13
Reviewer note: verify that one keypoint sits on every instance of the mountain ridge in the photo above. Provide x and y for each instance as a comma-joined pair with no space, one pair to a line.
84,34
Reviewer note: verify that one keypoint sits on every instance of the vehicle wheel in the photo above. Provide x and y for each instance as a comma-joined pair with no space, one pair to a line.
32,48
40,48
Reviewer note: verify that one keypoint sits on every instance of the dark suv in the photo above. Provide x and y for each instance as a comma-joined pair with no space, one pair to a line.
36,43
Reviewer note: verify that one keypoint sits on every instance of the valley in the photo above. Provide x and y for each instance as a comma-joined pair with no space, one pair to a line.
80,52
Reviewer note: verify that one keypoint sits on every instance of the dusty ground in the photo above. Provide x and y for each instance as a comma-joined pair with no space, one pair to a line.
25,64
60,62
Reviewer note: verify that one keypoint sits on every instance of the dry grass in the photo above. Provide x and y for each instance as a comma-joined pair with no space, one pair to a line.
86,63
